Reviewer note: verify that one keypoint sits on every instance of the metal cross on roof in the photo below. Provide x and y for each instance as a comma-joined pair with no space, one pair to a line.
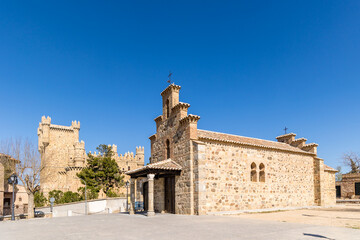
285,129
169,80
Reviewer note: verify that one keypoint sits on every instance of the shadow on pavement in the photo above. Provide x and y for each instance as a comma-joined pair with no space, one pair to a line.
317,236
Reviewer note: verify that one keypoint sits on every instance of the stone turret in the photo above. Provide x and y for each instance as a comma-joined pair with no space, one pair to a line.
76,126
44,132
114,150
140,155
79,154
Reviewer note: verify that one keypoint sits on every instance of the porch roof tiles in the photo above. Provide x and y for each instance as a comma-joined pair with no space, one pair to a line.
166,165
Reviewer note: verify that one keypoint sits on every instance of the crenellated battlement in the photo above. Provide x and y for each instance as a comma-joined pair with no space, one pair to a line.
75,124
139,150
46,120
79,145
126,159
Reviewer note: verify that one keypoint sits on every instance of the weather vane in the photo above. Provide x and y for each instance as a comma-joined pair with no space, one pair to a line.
169,76
285,129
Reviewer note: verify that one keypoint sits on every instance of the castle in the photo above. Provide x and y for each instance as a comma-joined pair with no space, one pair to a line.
63,156
194,171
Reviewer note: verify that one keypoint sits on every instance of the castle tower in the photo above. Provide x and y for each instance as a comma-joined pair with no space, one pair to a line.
140,156
60,148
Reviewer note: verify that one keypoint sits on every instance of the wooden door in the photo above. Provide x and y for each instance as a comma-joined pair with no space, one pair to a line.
145,195
338,191
170,194
357,188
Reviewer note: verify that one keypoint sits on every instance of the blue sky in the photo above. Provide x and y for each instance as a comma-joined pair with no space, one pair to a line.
246,67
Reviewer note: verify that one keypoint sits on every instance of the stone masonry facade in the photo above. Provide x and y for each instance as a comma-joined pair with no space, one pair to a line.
7,167
63,156
223,172
349,186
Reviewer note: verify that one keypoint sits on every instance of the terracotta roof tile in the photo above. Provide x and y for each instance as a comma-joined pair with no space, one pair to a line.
329,169
162,165
223,137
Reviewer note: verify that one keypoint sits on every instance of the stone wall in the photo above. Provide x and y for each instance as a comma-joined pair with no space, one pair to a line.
317,182
7,166
159,195
72,181
347,185
329,188
98,206
225,185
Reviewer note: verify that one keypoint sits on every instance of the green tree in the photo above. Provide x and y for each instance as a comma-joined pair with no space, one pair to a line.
338,175
105,150
39,199
57,195
70,196
102,171
91,193
111,193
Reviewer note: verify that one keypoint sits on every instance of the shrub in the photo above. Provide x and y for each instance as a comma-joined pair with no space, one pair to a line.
39,199
57,194
110,193
91,193
70,196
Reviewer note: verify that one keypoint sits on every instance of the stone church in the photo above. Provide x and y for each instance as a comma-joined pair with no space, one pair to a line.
194,171
63,156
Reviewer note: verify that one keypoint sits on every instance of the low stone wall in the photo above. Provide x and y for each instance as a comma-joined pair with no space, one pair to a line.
346,201
98,206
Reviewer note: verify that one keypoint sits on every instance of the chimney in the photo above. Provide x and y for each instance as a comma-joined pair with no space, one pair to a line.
287,138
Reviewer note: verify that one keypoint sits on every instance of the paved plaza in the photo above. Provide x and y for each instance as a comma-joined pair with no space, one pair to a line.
167,226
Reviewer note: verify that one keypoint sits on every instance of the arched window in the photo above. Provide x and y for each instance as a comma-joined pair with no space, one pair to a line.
253,173
167,149
262,173
128,168
167,108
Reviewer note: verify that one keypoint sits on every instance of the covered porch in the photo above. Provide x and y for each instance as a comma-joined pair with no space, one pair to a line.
166,169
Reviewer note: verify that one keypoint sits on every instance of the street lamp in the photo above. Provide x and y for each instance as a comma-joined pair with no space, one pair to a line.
13,180
127,195
86,208
85,194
